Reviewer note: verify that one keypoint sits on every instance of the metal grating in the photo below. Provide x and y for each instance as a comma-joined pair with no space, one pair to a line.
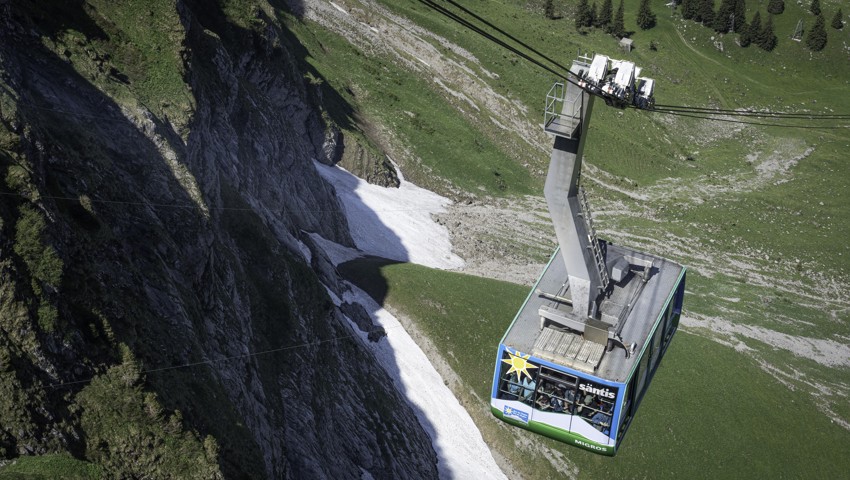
568,348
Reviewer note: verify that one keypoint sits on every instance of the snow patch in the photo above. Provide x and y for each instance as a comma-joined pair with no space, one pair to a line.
460,449
394,223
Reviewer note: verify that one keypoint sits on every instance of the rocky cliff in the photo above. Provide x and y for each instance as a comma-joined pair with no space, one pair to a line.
163,310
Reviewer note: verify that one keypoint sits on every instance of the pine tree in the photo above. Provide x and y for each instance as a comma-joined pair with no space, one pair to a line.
645,18
767,39
706,12
837,22
689,9
816,38
740,12
582,15
619,27
745,38
754,32
776,6
550,9
815,7
721,18
605,14
594,15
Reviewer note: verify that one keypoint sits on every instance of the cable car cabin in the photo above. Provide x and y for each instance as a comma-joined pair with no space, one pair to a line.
578,387
582,350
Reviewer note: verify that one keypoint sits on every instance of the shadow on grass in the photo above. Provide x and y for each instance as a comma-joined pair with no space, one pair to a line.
366,274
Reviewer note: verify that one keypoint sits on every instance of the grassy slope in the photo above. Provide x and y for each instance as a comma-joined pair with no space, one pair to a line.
408,106
57,466
708,403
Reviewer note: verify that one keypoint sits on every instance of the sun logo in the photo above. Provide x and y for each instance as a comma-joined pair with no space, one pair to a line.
519,364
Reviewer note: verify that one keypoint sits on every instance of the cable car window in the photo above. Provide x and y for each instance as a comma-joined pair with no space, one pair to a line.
595,402
664,327
556,392
680,296
656,347
628,405
511,386
642,373
670,325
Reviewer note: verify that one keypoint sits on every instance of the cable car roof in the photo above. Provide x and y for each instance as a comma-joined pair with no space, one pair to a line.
633,308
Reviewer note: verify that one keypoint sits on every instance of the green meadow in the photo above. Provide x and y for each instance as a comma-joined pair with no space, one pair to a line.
711,412
54,466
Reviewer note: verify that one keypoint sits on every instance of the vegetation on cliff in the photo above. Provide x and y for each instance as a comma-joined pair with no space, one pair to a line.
155,164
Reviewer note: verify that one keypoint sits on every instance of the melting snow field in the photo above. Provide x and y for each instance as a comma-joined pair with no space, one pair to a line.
396,223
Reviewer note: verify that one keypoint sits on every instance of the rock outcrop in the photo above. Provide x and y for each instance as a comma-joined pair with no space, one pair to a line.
158,196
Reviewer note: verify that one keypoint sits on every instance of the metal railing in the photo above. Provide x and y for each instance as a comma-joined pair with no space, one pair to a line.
556,103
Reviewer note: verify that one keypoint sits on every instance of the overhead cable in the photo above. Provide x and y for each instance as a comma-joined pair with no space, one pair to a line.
677,110
228,358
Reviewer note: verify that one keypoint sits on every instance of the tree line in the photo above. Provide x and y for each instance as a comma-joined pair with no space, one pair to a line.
604,18
729,17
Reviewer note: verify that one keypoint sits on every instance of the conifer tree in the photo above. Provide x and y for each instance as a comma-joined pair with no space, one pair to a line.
755,29
689,9
582,15
740,12
619,27
721,18
837,22
645,18
550,9
767,39
776,6
816,38
815,7
605,16
745,38
706,12
594,15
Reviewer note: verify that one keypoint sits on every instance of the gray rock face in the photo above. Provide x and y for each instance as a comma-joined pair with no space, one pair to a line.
182,238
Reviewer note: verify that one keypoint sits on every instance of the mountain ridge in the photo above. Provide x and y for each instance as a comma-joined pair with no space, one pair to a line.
179,229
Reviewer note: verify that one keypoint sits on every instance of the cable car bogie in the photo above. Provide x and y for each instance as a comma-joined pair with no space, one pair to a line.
616,81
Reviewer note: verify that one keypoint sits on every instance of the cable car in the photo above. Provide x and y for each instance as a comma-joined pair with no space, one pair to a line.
581,352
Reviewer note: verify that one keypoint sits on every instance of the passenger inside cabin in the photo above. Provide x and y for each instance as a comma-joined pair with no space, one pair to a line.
601,406
584,406
602,422
528,385
513,387
570,396
557,402
543,401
